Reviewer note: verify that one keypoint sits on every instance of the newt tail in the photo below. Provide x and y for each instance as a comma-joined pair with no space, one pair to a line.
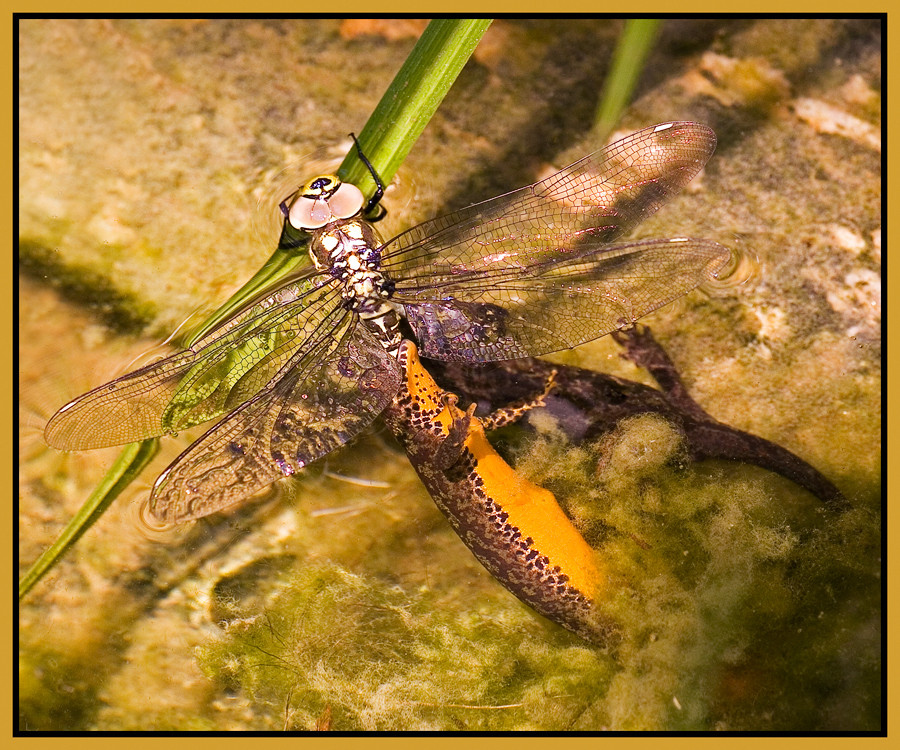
514,528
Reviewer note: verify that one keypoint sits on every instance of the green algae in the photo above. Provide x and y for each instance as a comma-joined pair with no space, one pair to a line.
384,658
715,569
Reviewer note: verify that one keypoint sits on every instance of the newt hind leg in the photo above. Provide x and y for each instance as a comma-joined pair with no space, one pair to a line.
644,350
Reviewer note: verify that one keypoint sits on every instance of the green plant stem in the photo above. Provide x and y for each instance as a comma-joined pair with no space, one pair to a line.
412,98
631,53
128,466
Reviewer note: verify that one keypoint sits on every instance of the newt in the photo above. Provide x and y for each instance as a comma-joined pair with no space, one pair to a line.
515,528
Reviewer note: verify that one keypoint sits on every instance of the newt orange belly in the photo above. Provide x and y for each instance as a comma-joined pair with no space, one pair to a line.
516,529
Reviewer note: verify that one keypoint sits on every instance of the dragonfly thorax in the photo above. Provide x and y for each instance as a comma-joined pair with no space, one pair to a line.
349,252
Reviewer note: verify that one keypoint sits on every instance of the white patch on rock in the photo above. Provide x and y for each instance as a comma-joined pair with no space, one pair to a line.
826,118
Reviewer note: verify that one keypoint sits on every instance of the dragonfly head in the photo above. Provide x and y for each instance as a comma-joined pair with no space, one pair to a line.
324,199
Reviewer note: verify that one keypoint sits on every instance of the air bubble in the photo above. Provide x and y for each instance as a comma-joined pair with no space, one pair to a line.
742,269
151,528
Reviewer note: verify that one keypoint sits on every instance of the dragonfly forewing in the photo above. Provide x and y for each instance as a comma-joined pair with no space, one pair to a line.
125,410
597,199
198,384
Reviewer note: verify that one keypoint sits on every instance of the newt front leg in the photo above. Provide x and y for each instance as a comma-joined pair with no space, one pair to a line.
516,529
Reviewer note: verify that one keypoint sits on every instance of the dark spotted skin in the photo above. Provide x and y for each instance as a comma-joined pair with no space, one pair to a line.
514,528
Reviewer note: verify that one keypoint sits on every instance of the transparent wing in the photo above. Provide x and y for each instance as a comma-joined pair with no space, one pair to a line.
595,200
198,384
558,305
533,271
317,405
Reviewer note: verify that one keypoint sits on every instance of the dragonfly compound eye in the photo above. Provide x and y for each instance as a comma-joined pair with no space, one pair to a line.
347,201
323,200
310,213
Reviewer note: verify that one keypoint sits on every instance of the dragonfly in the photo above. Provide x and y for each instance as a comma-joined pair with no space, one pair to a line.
311,362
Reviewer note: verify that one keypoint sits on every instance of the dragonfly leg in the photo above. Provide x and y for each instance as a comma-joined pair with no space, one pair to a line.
379,185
